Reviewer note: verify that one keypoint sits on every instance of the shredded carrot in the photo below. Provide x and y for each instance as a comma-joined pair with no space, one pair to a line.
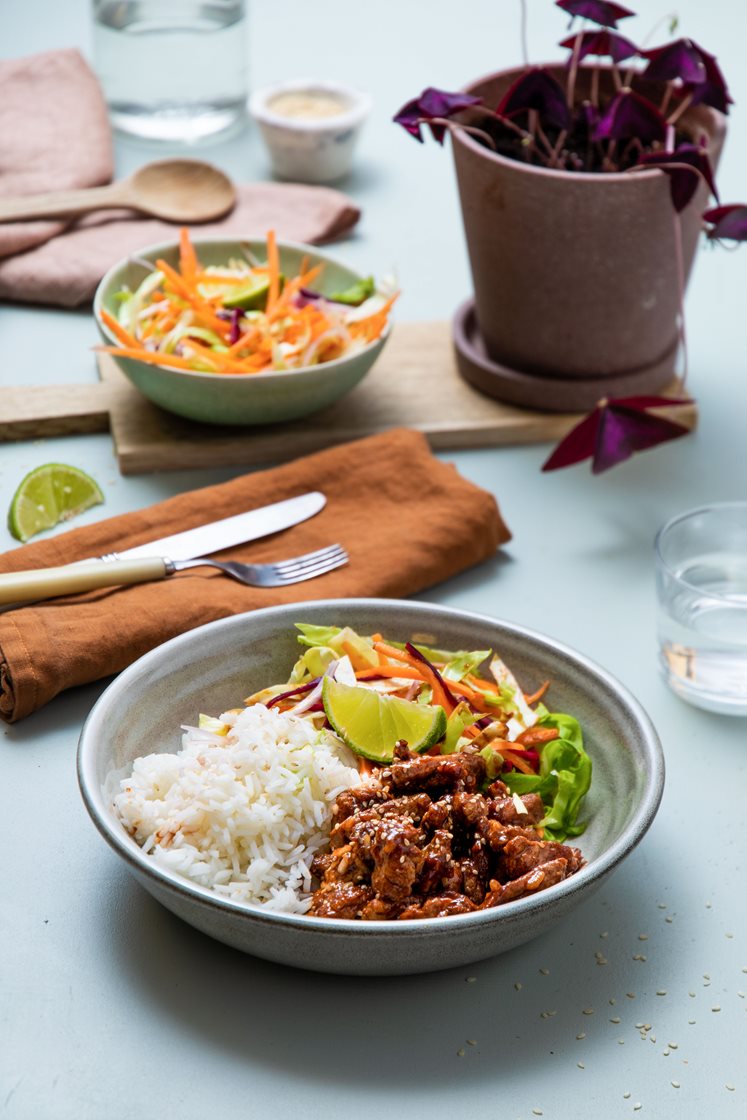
535,696
406,672
118,330
150,357
273,261
187,256
355,658
516,760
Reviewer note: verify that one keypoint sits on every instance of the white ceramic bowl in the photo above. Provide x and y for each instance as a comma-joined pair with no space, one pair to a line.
318,150
211,668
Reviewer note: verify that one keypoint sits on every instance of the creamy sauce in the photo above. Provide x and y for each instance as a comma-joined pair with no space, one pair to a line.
307,105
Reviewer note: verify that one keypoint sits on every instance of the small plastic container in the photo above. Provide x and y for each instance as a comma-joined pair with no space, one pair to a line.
310,128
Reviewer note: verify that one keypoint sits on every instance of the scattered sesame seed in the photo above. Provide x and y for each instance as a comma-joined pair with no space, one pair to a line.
581,1035
643,937
460,1052
536,1112
729,935
471,979
647,1026
588,1011
472,1042
675,1084
706,983
544,971
637,1106
716,1008
605,934
639,957
630,995
662,905
709,905
706,976
741,995
665,1053
744,970
639,1026
621,1042
691,994
729,1087
611,1002
653,1037
602,960
517,985
673,1046
580,1065
626,1096
691,1022
668,919
616,1019
661,991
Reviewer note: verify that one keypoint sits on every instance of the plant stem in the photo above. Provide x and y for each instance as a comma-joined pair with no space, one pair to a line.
595,87
570,92
683,106
478,133
680,292
666,99
524,38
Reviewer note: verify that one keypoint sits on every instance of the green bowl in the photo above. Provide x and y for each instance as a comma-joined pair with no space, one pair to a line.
241,399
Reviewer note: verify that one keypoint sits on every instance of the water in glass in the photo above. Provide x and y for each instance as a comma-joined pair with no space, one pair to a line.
172,69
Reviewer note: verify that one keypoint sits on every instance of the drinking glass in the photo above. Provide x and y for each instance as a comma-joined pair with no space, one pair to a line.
172,69
701,580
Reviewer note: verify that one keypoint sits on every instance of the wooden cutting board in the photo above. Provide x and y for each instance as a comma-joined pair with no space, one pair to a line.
414,384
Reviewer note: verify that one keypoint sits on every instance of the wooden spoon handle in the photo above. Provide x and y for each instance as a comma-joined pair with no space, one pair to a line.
64,204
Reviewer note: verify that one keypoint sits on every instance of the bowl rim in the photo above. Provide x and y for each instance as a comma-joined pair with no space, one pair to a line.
115,835
158,248
359,107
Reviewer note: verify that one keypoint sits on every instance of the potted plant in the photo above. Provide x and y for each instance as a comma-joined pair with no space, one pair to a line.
582,187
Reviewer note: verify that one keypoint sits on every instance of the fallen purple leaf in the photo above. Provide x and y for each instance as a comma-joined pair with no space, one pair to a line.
432,103
686,166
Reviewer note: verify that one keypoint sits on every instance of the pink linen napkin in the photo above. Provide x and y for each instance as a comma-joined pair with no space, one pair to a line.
55,134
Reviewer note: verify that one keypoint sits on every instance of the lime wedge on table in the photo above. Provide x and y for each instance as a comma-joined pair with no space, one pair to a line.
371,723
48,495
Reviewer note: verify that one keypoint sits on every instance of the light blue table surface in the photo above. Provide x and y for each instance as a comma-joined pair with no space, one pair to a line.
110,1006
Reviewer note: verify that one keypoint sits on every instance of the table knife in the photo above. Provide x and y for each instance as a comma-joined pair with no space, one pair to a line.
147,561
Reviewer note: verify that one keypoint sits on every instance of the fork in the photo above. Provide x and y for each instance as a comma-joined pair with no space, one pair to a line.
19,588
276,574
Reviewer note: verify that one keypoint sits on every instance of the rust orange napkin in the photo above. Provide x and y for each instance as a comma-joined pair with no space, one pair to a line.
64,141
407,521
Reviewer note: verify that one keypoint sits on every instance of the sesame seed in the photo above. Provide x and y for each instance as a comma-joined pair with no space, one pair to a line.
580,1065
637,1106
744,970
662,905
643,937
621,1042
672,1046
626,1096
544,971
537,1112
668,919
611,1002
472,1042
665,1053
460,1052
517,985
706,976
661,991
616,1019
630,995
729,1087
602,960
471,979
691,1022
581,1035
605,934
639,957
639,1026
741,995
729,935
588,1011
691,994
675,1084
716,1008
706,983
709,905
653,1038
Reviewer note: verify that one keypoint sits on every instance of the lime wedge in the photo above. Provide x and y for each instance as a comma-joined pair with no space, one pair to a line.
48,495
371,723
251,296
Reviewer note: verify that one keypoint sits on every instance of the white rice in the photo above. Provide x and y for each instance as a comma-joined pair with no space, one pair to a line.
243,813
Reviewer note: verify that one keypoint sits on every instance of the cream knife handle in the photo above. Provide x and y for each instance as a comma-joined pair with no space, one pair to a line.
47,583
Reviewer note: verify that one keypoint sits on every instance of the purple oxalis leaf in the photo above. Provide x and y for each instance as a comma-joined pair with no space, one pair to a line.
537,89
432,103
601,44
729,222
698,71
615,430
600,11
630,116
686,166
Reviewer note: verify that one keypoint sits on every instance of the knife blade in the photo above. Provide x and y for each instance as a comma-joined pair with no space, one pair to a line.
147,561
242,527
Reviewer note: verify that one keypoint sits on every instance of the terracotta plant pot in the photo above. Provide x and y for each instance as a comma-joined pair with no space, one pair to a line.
575,275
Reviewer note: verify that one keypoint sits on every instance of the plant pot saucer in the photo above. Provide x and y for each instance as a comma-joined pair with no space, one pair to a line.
548,394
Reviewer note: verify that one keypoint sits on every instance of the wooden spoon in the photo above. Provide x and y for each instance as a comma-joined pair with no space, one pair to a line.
177,190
